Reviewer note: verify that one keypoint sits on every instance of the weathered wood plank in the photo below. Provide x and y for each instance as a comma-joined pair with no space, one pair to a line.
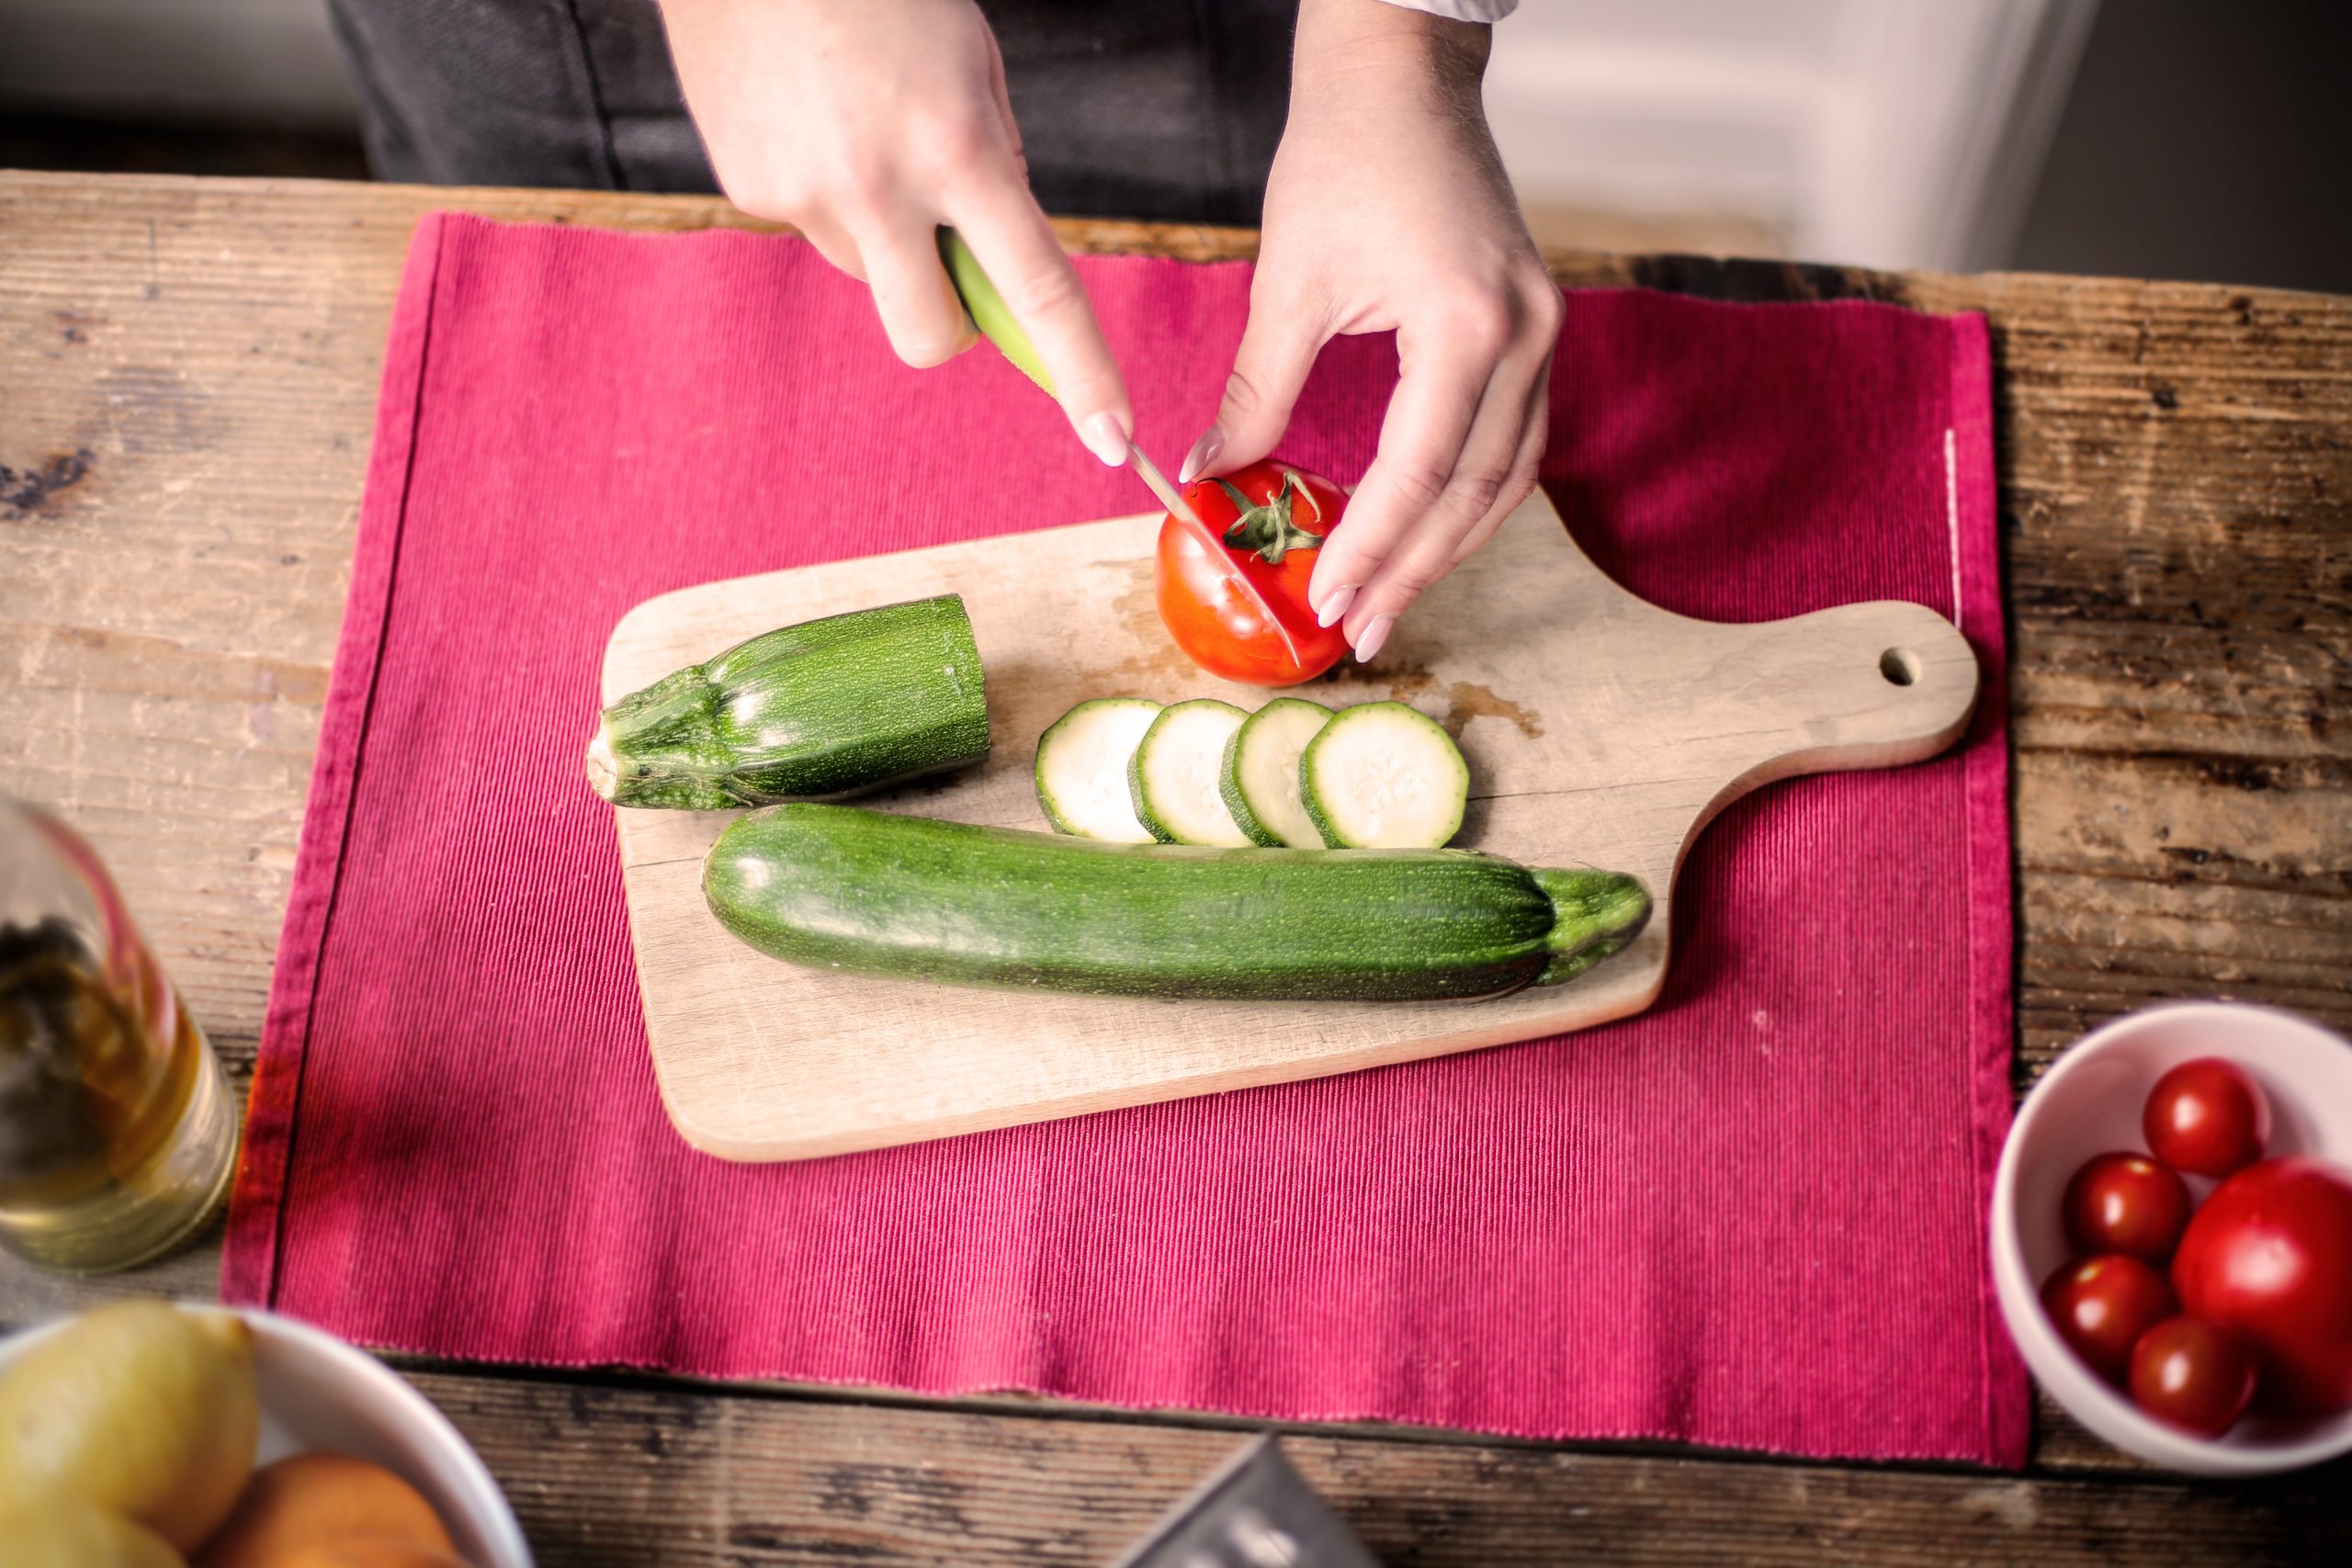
638,1475
188,373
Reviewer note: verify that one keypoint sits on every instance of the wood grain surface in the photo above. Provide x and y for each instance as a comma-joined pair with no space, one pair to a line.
187,381
1671,721
620,1473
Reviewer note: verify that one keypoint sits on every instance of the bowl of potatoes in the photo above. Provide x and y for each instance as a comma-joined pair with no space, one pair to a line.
147,1435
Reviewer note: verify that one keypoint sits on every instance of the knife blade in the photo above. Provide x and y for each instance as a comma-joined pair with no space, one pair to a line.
1181,510
995,321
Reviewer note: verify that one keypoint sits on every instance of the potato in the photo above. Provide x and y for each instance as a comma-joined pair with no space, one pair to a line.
70,1534
321,1499
138,1409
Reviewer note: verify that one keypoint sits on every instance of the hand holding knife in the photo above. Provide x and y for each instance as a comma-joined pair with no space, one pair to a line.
995,321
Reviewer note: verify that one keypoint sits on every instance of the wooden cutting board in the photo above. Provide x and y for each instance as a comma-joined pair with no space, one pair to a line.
1600,730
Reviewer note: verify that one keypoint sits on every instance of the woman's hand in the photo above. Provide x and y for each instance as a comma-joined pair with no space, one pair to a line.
868,125
1388,209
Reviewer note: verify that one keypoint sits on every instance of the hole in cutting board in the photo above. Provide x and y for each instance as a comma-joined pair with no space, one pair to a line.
1899,665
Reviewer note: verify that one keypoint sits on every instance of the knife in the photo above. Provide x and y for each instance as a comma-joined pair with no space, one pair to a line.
994,319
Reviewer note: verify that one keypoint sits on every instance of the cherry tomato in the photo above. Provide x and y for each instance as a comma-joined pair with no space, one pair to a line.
2101,1306
2194,1374
2207,1117
2126,1203
2270,1256
1273,519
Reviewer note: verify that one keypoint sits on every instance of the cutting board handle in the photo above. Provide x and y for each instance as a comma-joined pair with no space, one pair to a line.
1870,685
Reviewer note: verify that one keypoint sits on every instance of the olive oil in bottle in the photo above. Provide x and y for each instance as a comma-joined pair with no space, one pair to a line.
118,1132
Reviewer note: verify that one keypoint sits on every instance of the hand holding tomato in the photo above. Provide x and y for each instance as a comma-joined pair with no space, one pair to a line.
1387,210
1273,520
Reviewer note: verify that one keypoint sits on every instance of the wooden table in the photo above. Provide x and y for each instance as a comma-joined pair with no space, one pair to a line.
188,383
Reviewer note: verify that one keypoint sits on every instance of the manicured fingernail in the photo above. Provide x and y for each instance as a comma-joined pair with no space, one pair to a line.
1105,438
1375,632
1335,603
1202,454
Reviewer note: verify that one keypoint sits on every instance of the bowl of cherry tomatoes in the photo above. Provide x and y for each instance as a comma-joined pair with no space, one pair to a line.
2172,1236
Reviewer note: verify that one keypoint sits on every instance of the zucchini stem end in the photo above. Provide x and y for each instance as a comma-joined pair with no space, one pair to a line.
1595,914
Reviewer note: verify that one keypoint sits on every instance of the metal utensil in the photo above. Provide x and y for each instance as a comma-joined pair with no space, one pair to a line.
1254,1511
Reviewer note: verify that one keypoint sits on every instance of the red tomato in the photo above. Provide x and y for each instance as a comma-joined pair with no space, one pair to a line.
2126,1203
1272,531
2101,1306
2207,1117
2270,1256
2194,1374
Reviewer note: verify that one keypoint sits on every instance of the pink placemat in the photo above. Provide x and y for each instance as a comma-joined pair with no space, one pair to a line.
1752,1217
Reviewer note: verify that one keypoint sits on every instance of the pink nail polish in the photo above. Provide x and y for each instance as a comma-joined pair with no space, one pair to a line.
1375,632
1202,454
1105,438
1335,603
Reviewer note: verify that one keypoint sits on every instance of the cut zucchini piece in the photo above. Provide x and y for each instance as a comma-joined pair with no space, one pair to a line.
1384,777
1177,773
1259,778
824,708
1082,769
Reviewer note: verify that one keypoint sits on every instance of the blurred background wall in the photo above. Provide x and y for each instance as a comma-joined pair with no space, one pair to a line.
2201,139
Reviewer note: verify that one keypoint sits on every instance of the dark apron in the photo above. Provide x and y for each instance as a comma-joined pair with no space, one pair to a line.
1161,109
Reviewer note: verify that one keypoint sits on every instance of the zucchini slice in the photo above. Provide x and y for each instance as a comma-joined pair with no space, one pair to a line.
1177,773
1259,778
1082,769
1384,777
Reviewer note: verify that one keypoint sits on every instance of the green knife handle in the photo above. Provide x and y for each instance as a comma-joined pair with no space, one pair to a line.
994,319
989,311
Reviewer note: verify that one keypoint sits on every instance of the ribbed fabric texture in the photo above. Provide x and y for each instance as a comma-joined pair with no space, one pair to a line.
1753,1216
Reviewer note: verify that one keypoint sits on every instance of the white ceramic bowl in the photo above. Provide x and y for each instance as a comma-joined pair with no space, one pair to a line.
319,1392
2089,1101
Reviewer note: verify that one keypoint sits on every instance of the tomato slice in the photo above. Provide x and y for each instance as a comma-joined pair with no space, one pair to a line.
1273,519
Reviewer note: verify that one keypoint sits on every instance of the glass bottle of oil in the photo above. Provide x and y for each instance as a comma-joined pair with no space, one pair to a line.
118,1132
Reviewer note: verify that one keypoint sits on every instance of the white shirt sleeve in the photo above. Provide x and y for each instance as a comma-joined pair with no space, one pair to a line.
1463,10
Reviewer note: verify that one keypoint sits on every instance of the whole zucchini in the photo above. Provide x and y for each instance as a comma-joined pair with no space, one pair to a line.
837,887
824,708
